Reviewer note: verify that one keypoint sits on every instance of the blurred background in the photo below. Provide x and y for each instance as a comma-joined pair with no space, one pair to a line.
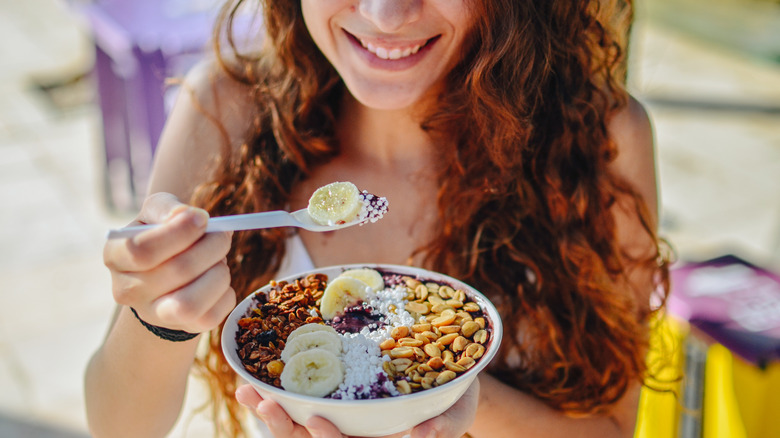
82,100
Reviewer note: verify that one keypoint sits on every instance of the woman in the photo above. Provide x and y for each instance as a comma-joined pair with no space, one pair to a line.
512,158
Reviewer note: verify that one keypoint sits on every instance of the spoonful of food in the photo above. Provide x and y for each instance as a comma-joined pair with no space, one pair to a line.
332,207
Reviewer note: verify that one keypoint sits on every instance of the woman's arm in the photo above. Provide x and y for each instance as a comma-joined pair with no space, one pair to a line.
174,277
506,412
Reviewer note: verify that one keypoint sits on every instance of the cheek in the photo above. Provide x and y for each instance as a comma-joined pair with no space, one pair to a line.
316,18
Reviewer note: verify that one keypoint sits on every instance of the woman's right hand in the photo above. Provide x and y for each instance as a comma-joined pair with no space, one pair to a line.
176,275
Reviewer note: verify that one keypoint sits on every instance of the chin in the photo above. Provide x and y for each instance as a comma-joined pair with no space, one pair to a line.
387,100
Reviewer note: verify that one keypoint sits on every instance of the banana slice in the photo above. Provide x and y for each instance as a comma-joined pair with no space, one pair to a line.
335,203
341,293
308,341
368,276
316,372
310,328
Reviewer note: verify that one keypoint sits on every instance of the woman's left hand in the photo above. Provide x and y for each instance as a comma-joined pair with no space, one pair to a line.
453,423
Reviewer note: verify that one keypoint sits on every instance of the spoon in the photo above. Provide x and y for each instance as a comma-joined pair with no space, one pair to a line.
251,221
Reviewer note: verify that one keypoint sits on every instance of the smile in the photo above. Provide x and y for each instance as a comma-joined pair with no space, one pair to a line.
391,53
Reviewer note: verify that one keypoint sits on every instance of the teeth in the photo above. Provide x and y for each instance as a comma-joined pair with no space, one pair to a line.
385,53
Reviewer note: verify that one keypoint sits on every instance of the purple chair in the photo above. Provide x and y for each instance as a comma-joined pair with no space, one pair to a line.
138,45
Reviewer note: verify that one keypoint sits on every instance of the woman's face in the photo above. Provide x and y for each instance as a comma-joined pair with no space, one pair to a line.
389,52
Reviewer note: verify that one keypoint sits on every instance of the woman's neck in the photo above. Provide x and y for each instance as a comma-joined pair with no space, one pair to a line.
386,138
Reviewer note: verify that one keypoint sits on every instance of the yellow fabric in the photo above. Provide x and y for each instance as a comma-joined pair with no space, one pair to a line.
740,399
659,408
743,401
721,412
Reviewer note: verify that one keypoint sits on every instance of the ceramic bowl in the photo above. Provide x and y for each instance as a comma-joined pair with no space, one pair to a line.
376,417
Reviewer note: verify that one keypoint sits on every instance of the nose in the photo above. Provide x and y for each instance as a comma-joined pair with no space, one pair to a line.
391,15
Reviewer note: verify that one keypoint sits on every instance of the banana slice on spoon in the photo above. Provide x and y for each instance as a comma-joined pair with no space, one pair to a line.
336,203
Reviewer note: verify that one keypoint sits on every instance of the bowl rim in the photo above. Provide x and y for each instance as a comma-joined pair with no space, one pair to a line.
242,307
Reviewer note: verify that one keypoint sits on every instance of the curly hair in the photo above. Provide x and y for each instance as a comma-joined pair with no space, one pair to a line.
525,198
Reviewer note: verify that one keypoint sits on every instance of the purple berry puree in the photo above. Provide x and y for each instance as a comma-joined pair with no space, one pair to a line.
355,318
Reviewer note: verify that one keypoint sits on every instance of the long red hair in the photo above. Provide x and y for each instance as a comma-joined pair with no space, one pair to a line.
525,188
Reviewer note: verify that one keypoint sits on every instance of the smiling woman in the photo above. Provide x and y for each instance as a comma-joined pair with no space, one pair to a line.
390,54
515,162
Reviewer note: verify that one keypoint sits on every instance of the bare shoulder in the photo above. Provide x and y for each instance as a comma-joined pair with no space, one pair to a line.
631,130
212,112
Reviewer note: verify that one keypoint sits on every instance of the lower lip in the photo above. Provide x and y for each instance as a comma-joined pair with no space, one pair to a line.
391,64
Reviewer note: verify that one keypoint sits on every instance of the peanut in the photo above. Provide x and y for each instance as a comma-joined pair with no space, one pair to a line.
445,376
466,362
399,332
411,283
432,350
459,344
471,307
409,342
481,336
421,328
415,307
387,344
444,319
401,364
447,329
401,352
389,368
421,292
453,366
469,328
435,363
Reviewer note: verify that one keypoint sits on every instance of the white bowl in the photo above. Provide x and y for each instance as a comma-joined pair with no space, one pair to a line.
377,417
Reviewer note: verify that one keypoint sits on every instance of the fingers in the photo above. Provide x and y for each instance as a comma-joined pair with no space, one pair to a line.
247,396
319,427
270,413
279,423
277,420
152,247
199,306
173,273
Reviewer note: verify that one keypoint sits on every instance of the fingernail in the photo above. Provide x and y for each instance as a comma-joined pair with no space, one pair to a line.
199,217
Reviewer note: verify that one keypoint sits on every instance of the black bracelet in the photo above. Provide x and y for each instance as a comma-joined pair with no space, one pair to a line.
166,333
